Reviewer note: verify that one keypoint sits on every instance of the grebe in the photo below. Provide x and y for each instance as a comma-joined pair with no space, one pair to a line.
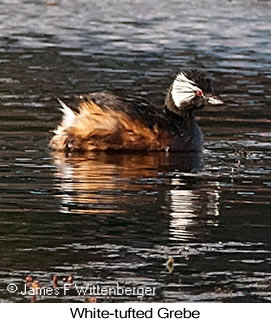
105,121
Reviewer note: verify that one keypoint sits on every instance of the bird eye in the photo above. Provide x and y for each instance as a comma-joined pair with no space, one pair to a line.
199,93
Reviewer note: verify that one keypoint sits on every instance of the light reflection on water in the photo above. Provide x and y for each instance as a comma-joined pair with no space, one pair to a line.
110,218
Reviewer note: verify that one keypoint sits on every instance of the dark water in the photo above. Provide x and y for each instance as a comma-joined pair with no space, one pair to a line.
108,218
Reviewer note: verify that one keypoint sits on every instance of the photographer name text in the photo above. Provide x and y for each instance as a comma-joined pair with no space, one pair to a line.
83,290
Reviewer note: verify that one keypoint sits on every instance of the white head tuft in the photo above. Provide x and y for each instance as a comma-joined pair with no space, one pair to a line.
183,90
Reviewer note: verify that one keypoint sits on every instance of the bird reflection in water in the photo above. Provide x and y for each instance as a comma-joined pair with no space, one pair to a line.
193,209
103,183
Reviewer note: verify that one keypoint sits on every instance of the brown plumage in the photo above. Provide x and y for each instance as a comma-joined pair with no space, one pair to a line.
104,121
95,128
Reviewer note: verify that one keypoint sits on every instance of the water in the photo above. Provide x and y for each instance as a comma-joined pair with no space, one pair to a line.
110,218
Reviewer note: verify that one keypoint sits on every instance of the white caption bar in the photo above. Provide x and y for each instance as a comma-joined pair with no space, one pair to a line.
133,312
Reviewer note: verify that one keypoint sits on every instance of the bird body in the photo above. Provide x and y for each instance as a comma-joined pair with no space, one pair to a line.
104,121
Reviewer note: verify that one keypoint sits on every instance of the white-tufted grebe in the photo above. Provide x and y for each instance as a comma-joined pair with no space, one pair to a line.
105,121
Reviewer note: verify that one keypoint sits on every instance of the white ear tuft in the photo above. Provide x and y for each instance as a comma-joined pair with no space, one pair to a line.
182,78
183,90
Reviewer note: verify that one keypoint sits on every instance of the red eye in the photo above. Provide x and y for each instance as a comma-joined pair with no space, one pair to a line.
199,93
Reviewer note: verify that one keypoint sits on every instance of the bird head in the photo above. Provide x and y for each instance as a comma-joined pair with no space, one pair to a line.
190,90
